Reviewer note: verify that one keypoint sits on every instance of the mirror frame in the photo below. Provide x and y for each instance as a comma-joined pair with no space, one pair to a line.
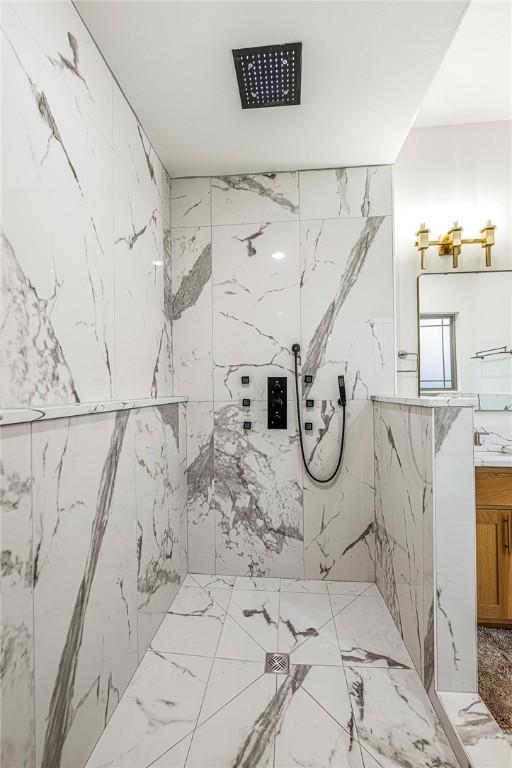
452,273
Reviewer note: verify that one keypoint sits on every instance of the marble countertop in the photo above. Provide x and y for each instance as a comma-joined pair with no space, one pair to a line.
493,459
428,402
46,412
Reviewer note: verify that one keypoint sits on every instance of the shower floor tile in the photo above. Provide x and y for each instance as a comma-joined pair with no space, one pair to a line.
201,698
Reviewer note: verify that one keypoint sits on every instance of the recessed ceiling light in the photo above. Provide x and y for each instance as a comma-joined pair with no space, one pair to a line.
278,255
269,75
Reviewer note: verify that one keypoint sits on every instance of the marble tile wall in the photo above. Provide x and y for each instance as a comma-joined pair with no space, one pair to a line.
86,204
260,262
93,551
425,537
93,507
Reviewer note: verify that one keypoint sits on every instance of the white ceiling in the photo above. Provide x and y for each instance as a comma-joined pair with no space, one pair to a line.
474,82
366,68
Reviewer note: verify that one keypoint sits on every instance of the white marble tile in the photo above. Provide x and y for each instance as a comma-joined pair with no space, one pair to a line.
268,584
208,582
228,678
348,587
395,722
190,202
339,518
147,627
175,757
368,636
404,499
237,643
134,149
257,613
323,699
166,197
255,198
340,602
455,564
191,311
78,68
313,586
242,731
139,261
200,477
320,648
484,742
161,706
161,561
193,623
342,192
57,341
256,312
16,653
300,617
347,306
258,496
86,630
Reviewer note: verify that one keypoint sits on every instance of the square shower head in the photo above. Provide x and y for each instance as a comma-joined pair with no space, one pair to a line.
269,76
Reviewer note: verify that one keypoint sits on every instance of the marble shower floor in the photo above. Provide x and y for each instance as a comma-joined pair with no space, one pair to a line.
201,699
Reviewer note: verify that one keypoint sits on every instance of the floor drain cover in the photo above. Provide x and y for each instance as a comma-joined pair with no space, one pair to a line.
278,663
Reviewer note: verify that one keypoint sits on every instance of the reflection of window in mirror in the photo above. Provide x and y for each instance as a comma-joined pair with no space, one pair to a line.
438,368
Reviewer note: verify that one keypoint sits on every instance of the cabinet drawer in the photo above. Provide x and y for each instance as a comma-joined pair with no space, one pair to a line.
493,487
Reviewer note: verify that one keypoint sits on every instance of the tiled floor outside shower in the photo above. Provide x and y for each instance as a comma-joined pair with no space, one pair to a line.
200,697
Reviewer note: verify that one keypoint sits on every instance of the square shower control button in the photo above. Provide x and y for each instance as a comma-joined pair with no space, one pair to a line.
310,403
308,426
308,379
247,424
245,379
246,402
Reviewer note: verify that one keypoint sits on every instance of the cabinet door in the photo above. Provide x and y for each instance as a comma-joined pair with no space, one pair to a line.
494,569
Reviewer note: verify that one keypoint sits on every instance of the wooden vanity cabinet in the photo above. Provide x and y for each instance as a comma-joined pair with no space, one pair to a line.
494,544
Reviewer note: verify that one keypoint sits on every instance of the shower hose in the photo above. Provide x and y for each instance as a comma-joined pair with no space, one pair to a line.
296,352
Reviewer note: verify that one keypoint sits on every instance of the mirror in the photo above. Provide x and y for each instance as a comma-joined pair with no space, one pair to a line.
465,336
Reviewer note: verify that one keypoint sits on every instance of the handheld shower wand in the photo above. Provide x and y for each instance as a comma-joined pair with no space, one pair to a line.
341,401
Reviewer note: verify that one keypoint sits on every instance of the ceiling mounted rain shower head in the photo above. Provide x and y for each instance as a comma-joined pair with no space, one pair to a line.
269,76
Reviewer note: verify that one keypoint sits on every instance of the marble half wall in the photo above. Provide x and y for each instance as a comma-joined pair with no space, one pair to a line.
260,262
93,519
425,537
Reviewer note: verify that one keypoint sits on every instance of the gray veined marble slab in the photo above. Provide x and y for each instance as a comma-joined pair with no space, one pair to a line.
300,618
191,311
57,341
346,192
200,477
346,306
16,580
257,613
253,198
256,308
190,202
48,412
404,521
258,496
484,742
396,724
368,636
193,622
86,631
161,705
160,502
339,518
